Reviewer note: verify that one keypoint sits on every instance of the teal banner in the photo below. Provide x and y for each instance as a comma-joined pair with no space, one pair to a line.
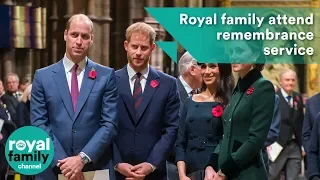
246,35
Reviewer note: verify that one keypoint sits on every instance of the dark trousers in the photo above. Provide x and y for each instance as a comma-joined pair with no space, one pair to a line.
289,160
172,171
265,159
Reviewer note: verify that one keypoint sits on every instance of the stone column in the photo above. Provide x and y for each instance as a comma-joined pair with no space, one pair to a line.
211,3
180,3
9,62
53,32
226,3
118,55
105,33
70,9
94,7
195,3
136,10
157,55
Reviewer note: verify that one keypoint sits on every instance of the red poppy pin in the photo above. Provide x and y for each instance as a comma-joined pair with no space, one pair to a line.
154,83
295,103
217,111
250,91
297,98
92,73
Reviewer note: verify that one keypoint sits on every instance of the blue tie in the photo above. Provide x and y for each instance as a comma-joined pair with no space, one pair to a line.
289,98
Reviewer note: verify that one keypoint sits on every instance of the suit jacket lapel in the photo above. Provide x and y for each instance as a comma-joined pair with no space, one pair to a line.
182,91
148,91
59,76
86,87
125,91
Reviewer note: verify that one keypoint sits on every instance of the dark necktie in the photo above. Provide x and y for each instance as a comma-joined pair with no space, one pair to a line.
289,98
137,93
74,87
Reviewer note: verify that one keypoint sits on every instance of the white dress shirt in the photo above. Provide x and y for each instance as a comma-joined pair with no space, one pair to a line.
68,65
132,77
285,95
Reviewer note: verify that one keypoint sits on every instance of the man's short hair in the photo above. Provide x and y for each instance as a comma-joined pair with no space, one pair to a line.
12,74
80,16
185,62
143,28
286,71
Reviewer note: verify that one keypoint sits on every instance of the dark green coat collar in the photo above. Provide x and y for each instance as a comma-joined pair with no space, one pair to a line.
248,80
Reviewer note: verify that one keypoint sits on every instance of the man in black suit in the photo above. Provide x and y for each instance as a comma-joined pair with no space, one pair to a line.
10,98
291,108
7,129
189,81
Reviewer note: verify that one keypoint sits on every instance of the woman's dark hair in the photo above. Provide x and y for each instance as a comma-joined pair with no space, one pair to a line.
225,83
255,45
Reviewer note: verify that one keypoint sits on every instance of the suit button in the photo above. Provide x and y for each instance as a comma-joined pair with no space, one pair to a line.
228,135
137,134
74,131
132,150
230,119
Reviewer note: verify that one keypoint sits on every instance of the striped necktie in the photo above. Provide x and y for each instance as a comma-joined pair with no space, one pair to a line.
137,93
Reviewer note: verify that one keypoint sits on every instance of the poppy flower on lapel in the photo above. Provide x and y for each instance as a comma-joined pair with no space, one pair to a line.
250,90
297,98
154,83
92,73
217,111
295,103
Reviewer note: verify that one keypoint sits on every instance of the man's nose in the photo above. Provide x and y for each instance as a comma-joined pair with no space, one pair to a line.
79,40
139,52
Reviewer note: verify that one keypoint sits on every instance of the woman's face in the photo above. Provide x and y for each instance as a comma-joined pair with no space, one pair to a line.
240,54
210,73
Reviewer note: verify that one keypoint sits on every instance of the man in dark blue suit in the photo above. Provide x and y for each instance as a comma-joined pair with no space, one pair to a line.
75,102
149,106
312,108
313,151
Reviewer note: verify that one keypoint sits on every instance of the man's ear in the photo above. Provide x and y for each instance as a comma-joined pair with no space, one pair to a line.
125,45
65,34
191,70
91,42
153,45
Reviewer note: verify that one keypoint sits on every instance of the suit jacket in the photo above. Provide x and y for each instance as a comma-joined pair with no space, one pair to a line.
313,151
11,104
151,136
291,119
183,94
246,122
275,125
91,128
312,109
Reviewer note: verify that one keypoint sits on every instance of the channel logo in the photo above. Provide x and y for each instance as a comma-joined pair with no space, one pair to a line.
29,150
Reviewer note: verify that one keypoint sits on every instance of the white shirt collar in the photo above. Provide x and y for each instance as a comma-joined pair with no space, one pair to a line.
132,72
284,94
185,85
68,64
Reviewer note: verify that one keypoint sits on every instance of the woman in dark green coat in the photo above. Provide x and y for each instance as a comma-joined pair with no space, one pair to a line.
246,119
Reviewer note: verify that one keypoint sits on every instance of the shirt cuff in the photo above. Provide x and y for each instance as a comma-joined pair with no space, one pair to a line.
153,167
86,156
302,148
